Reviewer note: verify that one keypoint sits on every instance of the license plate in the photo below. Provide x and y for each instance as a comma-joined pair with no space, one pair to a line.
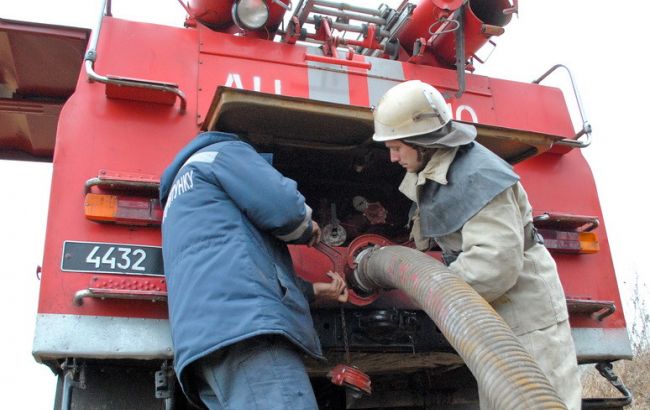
117,258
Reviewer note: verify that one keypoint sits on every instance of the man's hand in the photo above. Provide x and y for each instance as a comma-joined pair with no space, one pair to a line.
336,290
315,234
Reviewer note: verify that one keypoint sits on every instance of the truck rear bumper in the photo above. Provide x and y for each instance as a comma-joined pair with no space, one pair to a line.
598,344
101,337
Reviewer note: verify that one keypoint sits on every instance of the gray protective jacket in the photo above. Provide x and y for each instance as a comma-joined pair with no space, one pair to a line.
486,235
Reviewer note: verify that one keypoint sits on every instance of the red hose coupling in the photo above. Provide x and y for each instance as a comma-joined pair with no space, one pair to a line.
352,379
359,244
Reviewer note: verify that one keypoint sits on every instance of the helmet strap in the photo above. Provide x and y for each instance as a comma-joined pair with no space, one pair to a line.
424,154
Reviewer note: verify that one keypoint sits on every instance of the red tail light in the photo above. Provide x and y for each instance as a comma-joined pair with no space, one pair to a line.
570,242
124,198
566,233
123,210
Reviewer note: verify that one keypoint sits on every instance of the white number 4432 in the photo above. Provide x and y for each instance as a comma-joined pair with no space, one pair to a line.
117,258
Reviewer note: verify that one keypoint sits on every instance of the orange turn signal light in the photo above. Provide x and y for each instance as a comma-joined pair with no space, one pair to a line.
588,242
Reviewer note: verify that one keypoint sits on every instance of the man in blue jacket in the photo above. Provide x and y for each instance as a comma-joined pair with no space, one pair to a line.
239,316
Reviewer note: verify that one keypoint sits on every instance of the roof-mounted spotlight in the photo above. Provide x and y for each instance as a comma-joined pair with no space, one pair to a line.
250,14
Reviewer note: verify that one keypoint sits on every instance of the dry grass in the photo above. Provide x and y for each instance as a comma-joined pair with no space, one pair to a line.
635,375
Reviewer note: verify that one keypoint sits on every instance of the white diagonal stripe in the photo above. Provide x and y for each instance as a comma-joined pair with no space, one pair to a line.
297,233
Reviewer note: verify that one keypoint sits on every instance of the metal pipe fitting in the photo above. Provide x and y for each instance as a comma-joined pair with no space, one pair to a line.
348,15
350,7
341,26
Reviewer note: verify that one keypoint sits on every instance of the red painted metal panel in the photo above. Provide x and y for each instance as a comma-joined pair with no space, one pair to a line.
565,184
99,133
135,137
502,103
488,101
237,62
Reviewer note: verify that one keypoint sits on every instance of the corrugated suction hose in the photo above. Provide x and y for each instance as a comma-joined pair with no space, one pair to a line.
506,373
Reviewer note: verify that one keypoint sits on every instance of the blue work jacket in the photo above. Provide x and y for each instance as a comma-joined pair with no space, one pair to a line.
228,215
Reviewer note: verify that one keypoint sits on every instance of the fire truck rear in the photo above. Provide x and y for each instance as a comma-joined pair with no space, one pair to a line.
298,80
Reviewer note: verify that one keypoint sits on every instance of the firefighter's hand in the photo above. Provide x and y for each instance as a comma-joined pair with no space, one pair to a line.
315,234
336,290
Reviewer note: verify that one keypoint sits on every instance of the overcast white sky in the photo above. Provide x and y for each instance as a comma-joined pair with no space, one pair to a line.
603,45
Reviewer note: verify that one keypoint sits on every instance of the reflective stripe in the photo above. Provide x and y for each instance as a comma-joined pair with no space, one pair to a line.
333,86
60,336
297,233
326,85
205,156
391,73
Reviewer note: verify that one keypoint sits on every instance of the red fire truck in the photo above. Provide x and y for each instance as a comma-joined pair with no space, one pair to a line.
111,107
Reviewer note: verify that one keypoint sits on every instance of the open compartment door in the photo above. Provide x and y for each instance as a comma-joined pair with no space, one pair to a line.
39,68
269,119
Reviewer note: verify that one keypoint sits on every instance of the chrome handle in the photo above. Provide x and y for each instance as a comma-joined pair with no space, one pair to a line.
586,126
98,293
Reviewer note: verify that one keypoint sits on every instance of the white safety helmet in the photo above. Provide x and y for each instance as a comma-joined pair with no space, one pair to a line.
417,112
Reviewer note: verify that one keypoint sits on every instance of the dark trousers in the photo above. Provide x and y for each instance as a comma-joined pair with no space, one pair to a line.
264,373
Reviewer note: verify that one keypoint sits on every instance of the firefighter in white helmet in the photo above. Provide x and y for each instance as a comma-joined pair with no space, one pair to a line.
470,202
